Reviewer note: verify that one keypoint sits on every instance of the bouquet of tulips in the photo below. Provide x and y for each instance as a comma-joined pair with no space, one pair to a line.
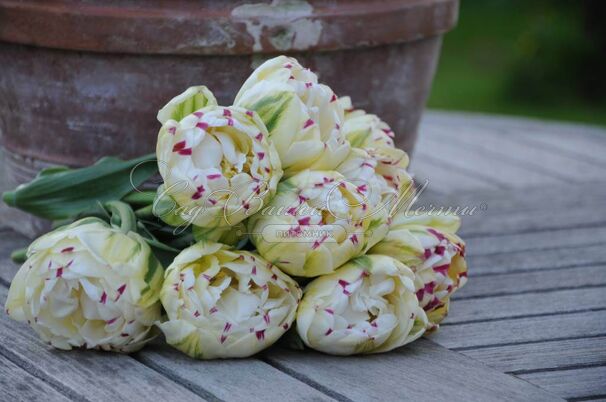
278,215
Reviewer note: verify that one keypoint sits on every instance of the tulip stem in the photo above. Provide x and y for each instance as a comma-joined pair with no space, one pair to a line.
145,212
122,215
140,198
19,256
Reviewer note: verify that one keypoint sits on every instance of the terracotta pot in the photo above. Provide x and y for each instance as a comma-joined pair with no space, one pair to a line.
79,80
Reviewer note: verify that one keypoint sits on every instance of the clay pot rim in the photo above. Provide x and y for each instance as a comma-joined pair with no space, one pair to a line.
160,29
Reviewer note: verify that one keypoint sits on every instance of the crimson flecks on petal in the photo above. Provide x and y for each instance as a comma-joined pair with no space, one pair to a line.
437,234
442,269
121,291
345,326
179,146
308,123
240,276
106,257
304,221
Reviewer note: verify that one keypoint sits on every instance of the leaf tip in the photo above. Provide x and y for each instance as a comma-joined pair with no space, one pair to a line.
9,198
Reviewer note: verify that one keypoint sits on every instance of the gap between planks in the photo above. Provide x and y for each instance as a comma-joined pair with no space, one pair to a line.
180,383
544,356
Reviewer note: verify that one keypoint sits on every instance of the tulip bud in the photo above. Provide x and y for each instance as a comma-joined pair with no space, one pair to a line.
366,306
193,99
428,245
218,168
223,303
317,221
88,285
303,117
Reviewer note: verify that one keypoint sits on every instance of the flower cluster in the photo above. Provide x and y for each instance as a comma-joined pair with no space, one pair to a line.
279,213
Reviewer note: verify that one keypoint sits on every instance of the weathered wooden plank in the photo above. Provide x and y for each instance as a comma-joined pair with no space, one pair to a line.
580,142
578,147
443,179
229,380
500,146
487,224
558,199
576,140
532,260
522,124
566,238
499,213
572,383
96,376
527,304
521,330
18,385
528,282
517,359
479,164
421,371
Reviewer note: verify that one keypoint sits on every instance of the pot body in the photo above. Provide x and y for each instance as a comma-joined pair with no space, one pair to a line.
78,82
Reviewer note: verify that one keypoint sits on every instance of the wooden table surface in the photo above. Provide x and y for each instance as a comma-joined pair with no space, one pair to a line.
529,325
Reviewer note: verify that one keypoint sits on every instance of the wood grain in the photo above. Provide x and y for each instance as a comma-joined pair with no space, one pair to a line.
573,383
540,356
230,380
534,281
525,261
502,173
97,376
521,305
442,178
521,330
422,371
547,240
18,385
498,144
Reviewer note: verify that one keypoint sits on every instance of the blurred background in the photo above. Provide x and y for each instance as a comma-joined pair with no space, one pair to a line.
538,58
